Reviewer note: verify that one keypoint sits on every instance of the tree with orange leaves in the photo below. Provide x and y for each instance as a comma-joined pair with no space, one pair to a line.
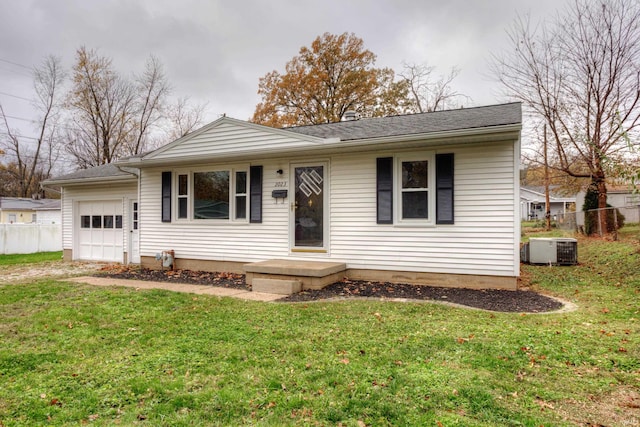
334,75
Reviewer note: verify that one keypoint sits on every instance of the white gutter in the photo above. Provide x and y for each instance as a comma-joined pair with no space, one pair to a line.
80,181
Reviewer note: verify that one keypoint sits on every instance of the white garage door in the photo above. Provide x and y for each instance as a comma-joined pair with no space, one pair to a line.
100,232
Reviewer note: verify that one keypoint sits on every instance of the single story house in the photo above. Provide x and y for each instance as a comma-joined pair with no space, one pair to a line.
21,210
425,198
533,202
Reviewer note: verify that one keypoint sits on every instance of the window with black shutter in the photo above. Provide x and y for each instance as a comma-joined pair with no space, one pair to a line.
384,189
166,196
255,194
444,188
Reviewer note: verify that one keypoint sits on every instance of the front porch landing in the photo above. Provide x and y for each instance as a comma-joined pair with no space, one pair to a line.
290,276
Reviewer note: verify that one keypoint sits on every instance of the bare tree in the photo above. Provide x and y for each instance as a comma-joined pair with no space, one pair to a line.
152,88
580,74
32,159
428,92
184,118
101,105
112,117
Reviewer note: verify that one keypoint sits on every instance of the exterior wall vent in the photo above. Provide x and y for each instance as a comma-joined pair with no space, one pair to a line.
349,115
550,251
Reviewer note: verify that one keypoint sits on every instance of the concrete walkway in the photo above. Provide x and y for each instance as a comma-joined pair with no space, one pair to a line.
178,287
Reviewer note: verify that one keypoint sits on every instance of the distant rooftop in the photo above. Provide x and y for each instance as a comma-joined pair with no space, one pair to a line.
26,204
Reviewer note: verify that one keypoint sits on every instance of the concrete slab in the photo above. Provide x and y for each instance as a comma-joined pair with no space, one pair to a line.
287,267
178,287
276,286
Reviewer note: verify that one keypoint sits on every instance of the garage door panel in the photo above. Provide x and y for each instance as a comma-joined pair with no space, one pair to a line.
95,242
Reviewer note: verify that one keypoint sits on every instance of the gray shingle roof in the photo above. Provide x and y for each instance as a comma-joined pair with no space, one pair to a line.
438,121
379,127
104,171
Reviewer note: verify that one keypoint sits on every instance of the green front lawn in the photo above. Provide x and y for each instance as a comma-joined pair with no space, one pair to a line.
15,259
73,354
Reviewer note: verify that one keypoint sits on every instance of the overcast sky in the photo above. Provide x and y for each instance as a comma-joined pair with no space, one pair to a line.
215,51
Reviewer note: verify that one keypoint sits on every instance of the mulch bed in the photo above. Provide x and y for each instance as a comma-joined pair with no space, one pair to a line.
520,301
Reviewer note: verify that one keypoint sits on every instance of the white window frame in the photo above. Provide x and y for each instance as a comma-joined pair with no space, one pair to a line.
429,157
177,196
232,170
244,195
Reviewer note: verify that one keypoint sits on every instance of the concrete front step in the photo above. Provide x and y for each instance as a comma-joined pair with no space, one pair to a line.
276,286
311,274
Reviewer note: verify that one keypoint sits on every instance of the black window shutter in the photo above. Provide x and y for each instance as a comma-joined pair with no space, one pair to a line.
384,190
444,188
255,193
166,196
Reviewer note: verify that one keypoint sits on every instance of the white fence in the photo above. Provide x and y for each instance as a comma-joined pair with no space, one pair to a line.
30,238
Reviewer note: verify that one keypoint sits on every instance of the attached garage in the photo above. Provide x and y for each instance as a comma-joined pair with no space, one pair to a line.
100,214
99,227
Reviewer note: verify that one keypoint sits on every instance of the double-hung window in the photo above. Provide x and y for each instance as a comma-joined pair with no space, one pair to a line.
183,196
414,188
241,195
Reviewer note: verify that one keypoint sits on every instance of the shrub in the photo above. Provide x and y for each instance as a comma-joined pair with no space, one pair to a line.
591,215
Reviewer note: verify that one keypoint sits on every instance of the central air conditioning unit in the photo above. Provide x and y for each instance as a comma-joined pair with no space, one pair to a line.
550,251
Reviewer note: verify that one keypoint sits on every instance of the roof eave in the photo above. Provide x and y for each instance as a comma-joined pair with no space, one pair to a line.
492,133
93,180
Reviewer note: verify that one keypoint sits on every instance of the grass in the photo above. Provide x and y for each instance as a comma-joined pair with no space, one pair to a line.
14,259
73,354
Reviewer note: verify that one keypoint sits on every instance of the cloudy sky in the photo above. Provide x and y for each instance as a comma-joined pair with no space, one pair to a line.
215,51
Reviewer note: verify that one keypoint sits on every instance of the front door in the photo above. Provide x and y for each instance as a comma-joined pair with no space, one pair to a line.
309,208
134,233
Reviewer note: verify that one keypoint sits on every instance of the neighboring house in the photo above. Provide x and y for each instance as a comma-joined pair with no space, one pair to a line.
49,212
17,210
533,202
431,198
622,197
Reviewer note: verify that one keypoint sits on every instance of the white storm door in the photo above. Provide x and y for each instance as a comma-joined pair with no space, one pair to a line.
309,208
134,233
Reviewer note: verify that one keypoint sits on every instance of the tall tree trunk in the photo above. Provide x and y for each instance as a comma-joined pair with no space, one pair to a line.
602,205
547,204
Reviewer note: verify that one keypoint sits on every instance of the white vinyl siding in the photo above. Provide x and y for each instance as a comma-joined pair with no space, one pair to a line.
238,241
482,240
229,138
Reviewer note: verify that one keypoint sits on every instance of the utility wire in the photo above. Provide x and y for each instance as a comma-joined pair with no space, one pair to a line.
19,118
20,72
16,96
19,136
15,63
